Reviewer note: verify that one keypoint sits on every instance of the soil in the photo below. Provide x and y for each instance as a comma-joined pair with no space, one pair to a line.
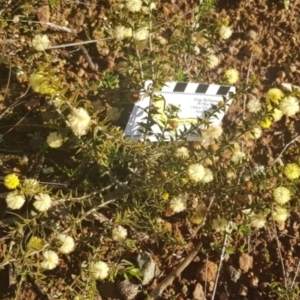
265,44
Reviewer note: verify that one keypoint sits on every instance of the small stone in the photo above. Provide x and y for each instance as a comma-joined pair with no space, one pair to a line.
252,34
254,282
198,293
245,262
243,290
208,271
234,273
128,290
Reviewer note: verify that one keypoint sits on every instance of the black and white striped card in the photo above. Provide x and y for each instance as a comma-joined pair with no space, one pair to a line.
193,99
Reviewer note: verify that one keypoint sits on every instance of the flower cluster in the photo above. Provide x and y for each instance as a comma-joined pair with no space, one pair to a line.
254,106
178,204
44,83
141,34
40,42
212,61
67,243
14,200
231,76
282,195
212,133
198,173
54,140
238,157
292,171
134,5
79,121
199,214
42,202
258,220
50,261
119,234
225,32
220,224
182,152
99,270
11,181
280,214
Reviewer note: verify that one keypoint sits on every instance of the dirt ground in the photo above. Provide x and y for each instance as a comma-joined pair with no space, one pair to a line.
265,44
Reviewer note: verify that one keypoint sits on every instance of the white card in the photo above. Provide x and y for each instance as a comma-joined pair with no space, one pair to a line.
193,99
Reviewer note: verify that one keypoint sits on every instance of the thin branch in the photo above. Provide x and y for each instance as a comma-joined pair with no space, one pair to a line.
280,254
284,149
296,274
220,265
175,273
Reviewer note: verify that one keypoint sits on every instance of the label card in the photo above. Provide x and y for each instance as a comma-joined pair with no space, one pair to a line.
192,99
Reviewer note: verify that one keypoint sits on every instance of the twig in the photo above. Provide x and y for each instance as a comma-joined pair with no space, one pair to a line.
175,273
61,28
280,254
220,265
296,274
247,80
77,44
284,149
93,67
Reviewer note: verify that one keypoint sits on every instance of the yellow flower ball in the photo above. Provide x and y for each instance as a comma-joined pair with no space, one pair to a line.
11,181
231,76
282,195
266,123
196,219
292,171
274,95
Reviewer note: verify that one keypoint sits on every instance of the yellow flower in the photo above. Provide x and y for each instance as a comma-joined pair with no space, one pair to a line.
40,42
289,106
238,157
254,105
225,32
208,176
258,220
42,202
231,76
178,203
11,181
54,140
274,95
14,200
119,234
44,83
35,243
182,152
277,114
266,123
196,219
212,61
99,270
67,243
134,5
255,133
292,171
141,34
280,214
79,121
282,195
220,224
196,172
50,261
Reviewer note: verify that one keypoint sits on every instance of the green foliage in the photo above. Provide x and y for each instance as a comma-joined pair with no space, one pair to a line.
98,181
